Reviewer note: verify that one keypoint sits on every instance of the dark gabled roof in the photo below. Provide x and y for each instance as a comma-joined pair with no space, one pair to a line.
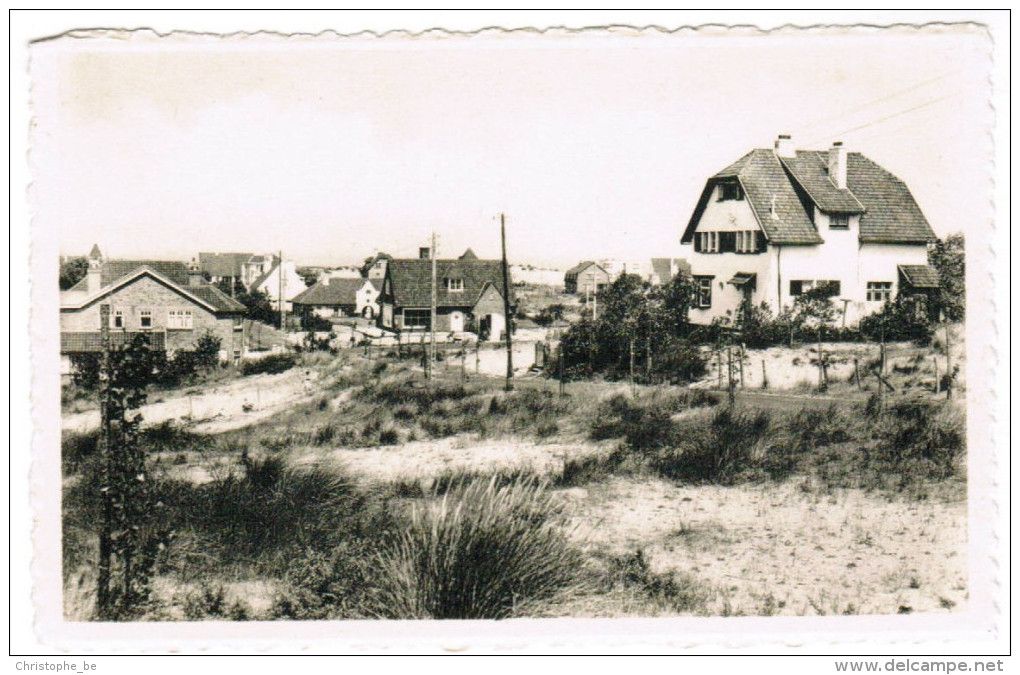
891,215
173,272
222,264
920,276
331,292
411,281
811,170
888,211
468,255
771,195
95,252
582,266
83,342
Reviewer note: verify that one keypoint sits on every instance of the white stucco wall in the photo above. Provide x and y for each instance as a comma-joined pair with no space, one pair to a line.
841,257
730,216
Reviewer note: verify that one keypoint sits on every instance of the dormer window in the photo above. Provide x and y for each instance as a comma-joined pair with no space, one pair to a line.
730,191
453,285
839,221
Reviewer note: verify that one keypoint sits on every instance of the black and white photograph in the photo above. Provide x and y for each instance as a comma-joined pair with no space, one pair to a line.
512,326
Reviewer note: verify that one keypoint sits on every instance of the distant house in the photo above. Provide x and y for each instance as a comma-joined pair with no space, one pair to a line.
615,267
586,277
219,267
664,269
377,268
468,295
338,297
255,267
779,222
169,301
270,283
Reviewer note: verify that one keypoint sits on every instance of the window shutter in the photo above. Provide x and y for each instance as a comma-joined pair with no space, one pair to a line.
759,240
697,242
795,287
727,242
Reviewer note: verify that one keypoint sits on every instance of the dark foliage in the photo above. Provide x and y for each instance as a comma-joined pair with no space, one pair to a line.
72,271
271,363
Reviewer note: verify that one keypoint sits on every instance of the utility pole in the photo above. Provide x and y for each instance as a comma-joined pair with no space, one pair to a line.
279,270
506,307
105,528
949,365
432,312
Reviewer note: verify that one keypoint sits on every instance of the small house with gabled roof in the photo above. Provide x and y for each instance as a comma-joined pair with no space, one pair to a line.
468,295
170,301
586,277
778,222
339,297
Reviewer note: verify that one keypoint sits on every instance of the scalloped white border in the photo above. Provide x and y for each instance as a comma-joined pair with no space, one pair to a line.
842,633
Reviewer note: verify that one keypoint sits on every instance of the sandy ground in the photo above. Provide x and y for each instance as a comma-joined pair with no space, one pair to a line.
220,407
423,459
786,548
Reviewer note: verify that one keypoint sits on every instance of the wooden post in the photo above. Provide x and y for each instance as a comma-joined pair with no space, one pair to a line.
857,373
935,362
106,526
463,362
741,364
729,373
633,391
559,366
424,356
478,358
506,308
821,362
718,364
949,365
764,376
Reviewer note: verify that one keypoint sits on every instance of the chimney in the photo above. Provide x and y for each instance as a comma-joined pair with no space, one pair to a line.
94,277
784,146
195,274
423,253
837,165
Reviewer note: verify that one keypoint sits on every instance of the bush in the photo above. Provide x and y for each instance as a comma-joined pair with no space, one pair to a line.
315,324
271,364
905,318
923,439
719,452
480,552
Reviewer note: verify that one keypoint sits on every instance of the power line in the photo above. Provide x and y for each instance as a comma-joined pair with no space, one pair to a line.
880,99
881,119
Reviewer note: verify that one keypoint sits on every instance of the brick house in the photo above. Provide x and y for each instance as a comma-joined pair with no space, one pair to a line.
168,300
468,295
778,222
586,277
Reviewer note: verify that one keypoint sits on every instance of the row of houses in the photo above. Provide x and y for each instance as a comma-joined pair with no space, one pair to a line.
592,276
175,303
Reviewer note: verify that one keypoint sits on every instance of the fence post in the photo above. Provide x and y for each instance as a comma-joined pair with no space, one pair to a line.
718,365
729,373
764,376
935,362
857,373
741,364
949,366
633,391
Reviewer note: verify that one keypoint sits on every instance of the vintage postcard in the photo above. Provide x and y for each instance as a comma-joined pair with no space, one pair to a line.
608,337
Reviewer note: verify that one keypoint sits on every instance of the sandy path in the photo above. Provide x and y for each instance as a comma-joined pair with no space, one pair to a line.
796,549
219,407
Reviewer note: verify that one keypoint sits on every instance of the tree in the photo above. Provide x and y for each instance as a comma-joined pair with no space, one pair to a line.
72,271
260,307
948,257
815,309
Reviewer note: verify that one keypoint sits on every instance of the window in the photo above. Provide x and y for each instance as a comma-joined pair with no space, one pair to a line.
839,221
730,191
117,319
703,297
706,242
145,318
238,323
801,286
879,291
453,285
179,319
747,241
417,318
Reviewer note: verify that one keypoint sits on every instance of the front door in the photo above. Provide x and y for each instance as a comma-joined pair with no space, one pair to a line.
457,322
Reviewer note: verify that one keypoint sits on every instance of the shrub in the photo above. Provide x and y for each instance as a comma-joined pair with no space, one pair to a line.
271,364
719,451
480,552
678,593
905,318
76,448
315,324
923,439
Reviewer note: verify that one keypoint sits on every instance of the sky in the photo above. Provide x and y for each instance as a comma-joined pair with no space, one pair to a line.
594,146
